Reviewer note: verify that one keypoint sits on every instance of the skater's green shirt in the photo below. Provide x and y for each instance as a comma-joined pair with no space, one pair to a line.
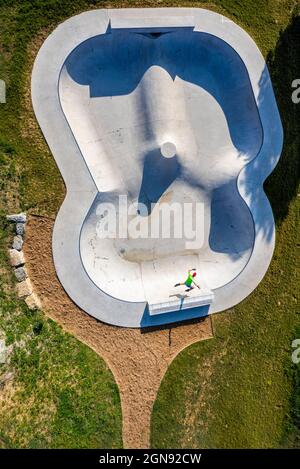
189,280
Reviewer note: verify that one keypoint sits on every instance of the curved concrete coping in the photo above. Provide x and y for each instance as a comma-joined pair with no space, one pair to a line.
158,109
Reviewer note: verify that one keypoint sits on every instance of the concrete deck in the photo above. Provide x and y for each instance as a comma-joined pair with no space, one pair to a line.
115,86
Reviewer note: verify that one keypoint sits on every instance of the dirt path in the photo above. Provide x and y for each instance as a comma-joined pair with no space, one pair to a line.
137,360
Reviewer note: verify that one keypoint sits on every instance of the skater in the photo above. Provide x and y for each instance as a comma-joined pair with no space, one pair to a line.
189,281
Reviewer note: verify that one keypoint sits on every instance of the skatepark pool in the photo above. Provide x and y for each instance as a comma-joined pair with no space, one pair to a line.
159,114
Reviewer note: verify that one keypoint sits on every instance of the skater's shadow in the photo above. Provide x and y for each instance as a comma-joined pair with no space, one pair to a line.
179,295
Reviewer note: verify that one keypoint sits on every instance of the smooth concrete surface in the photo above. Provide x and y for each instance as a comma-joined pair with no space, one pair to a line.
182,301
160,106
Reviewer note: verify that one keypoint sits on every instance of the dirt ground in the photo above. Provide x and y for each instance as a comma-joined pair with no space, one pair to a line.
137,359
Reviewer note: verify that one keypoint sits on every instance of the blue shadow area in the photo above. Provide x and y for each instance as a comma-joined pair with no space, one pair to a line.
113,65
231,229
175,316
158,175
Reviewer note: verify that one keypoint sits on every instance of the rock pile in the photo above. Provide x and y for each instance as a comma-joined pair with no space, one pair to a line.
17,261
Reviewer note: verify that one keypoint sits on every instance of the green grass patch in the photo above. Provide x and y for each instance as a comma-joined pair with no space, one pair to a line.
63,395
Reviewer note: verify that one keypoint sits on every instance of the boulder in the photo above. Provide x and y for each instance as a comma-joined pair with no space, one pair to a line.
20,274
16,258
24,288
33,301
20,228
16,218
17,243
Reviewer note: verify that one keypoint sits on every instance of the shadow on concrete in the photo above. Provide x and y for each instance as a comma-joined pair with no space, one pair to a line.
158,175
150,323
174,325
178,323
114,64
231,229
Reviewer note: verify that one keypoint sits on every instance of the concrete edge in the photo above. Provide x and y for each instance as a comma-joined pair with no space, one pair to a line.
79,287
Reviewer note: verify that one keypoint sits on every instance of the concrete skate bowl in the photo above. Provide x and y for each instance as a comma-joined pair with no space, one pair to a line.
162,117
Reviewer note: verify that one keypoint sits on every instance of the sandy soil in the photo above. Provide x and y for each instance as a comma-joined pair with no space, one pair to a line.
137,359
